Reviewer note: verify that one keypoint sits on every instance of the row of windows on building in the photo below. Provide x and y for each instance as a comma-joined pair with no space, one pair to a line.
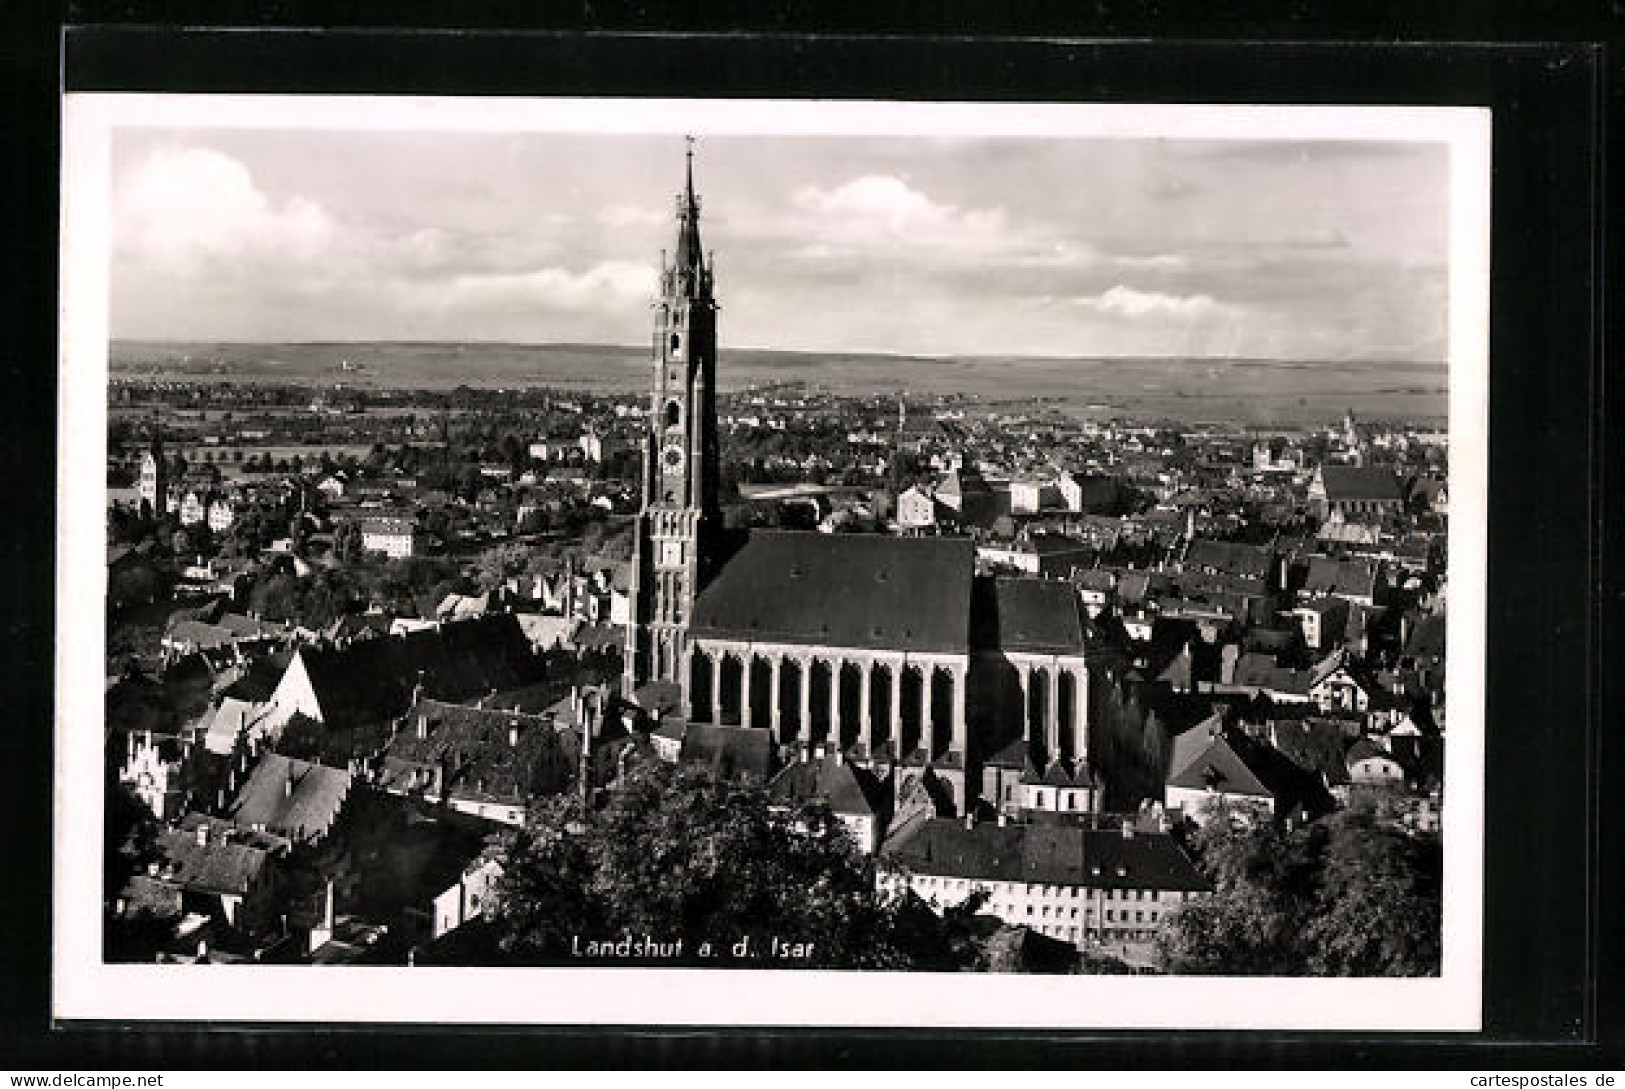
960,884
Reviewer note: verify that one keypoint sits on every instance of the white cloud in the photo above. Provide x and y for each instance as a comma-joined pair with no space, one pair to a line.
609,283
1127,302
183,205
882,204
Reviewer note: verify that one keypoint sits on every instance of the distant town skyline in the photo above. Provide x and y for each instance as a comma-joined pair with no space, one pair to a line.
1287,249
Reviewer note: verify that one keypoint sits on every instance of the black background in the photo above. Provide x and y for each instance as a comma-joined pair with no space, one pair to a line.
1551,981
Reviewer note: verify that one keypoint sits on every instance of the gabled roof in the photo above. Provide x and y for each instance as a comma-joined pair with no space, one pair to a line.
962,482
842,590
1033,615
1317,745
1191,744
476,748
1354,578
1257,670
218,866
294,798
1062,773
1427,638
846,788
1329,665
373,680
1221,769
1230,558
1366,749
1047,854
1353,483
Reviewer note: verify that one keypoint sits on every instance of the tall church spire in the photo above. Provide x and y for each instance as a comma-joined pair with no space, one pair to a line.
690,257
681,464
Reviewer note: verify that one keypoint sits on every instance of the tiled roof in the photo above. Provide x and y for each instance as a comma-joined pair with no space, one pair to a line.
1257,670
1427,638
307,809
1316,745
1220,768
1094,579
960,482
1047,854
1366,749
1026,615
489,755
846,788
1192,743
1356,578
1229,558
372,680
1352,483
218,866
1200,584
842,590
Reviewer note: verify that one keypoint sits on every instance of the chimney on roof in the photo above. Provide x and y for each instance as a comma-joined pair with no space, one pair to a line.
1128,828
423,727
513,734
970,820
203,835
818,753
840,757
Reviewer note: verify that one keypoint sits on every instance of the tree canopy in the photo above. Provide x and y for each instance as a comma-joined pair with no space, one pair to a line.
1341,896
679,855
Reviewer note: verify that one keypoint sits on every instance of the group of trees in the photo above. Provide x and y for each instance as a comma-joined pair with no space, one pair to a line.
1345,895
411,586
681,856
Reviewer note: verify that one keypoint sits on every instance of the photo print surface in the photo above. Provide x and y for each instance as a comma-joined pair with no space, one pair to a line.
849,563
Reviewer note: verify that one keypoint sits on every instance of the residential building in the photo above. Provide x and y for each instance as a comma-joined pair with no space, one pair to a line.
1084,886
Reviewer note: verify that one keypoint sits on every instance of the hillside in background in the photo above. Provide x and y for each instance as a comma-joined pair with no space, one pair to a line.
1235,389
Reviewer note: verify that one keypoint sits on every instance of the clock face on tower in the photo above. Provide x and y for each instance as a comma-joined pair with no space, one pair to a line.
671,554
672,459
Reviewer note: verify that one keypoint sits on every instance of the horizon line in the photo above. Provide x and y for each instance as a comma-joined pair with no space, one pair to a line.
639,348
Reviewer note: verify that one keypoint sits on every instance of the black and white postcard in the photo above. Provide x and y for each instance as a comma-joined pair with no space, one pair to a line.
626,561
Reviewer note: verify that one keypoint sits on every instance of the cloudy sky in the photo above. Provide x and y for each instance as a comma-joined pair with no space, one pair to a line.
1073,247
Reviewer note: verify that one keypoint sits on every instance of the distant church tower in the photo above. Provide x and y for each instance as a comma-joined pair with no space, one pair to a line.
679,513
155,477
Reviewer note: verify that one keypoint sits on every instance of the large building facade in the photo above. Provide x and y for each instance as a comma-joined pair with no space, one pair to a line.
888,650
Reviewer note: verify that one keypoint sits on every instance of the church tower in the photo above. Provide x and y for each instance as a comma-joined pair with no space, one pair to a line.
679,515
155,477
